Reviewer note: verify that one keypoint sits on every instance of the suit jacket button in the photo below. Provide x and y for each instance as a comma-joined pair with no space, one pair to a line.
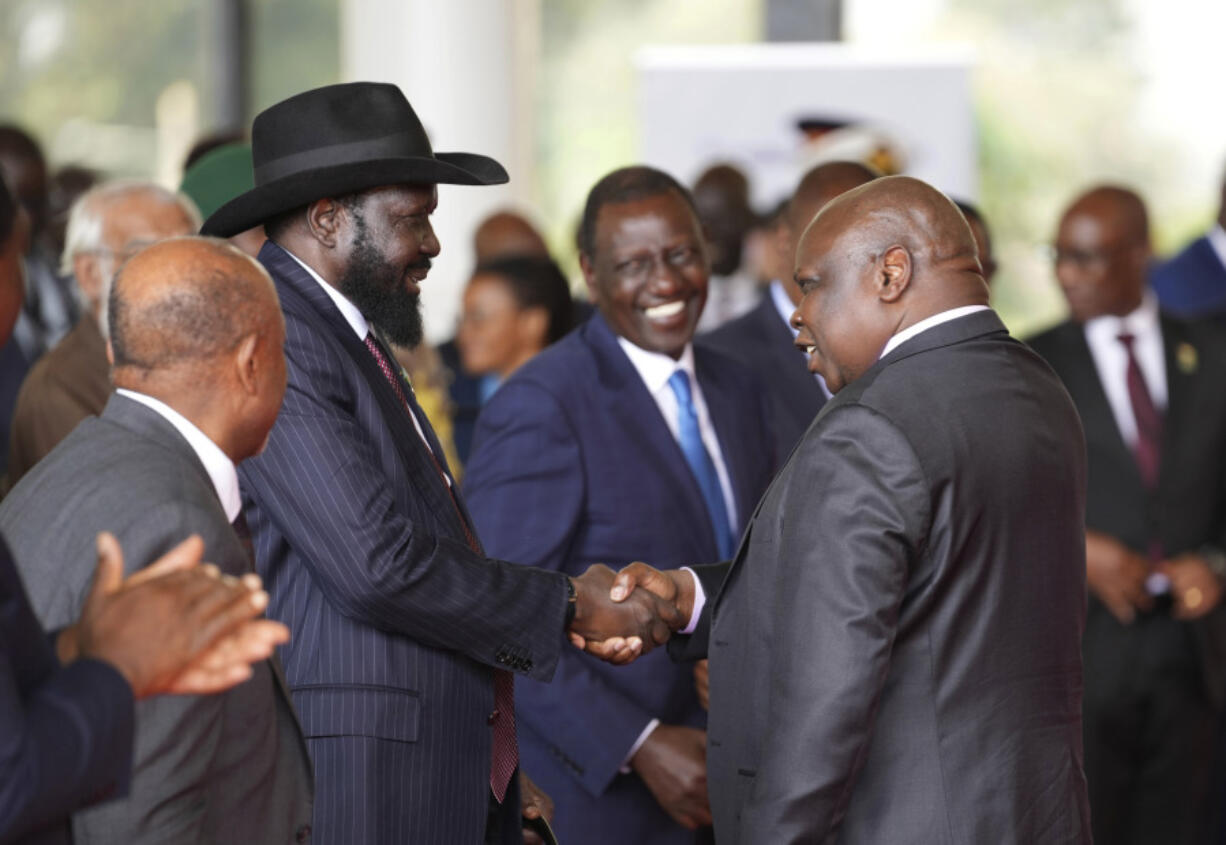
304,833
493,717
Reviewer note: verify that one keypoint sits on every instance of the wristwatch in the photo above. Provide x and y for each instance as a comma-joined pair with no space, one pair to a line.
571,598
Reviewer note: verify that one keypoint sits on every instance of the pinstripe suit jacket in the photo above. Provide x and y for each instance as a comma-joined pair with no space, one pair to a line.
398,625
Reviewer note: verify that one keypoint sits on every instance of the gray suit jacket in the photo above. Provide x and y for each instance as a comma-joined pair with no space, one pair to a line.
224,768
895,653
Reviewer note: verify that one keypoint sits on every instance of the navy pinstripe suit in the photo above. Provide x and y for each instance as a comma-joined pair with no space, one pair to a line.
396,622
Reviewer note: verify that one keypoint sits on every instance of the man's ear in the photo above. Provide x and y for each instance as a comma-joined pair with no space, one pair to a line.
247,364
894,274
324,220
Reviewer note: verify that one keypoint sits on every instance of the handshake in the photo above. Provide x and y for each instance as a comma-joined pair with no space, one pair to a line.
620,616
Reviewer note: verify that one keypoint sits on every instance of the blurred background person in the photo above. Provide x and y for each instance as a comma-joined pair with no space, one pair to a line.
66,186
1148,388
983,238
764,338
1193,283
217,176
513,308
106,226
502,234
721,195
50,308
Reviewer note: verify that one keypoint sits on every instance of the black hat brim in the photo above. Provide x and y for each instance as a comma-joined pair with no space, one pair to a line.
280,195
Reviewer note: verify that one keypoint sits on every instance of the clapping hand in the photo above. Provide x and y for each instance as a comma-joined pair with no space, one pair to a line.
176,626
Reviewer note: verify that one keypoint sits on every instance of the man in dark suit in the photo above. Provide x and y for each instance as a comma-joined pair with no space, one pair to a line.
197,392
584,455
405,632
895,649
66,714
1193,283
1149,389
764,338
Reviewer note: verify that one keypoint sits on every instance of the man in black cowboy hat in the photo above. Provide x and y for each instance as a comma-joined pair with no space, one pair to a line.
405,634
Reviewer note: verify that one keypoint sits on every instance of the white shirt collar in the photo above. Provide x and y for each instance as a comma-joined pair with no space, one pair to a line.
1217,240
1140,323
656,368
348,310
783,304
216,463
930,323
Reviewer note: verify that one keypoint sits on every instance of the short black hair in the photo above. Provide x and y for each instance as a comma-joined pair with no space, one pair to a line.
18,142
536,282
625,185
205,144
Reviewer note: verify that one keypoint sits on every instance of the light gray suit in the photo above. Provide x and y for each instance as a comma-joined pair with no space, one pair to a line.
227,768
895,653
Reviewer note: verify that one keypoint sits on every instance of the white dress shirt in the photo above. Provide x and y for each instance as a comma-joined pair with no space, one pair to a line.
217,463
361,328
655,369
783,304
1111,361
1217,240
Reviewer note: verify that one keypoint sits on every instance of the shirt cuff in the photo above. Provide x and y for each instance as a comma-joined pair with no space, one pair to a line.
638,743
700,601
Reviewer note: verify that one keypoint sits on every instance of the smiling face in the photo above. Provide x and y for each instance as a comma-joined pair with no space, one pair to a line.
389,246
841,324
648,272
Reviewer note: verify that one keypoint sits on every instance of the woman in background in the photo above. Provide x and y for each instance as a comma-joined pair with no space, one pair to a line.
513,308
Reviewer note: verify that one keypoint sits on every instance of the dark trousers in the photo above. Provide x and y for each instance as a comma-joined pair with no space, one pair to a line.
1150,730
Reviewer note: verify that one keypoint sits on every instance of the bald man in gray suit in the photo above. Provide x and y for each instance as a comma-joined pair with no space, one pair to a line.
196,331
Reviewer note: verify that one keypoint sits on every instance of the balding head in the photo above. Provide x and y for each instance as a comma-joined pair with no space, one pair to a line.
876,260
1103,252
506,234
196,323
109,223
817,188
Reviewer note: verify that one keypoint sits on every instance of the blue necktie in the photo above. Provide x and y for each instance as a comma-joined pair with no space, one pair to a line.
701,465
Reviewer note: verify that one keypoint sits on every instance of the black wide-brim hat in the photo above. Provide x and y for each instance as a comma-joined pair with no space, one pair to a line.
338,140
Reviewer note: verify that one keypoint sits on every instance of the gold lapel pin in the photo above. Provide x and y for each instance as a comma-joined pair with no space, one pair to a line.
1185,356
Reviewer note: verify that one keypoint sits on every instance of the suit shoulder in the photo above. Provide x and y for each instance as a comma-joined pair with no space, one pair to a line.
733,338
558,368
1048,342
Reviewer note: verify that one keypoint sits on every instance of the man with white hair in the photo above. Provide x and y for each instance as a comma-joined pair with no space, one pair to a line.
106,226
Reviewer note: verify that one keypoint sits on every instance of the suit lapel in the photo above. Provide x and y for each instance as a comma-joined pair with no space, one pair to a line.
303,295
626,399
1082,382
1182,388
724,405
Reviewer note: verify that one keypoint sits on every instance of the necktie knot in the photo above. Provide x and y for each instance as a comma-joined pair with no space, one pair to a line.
1126,338
679,381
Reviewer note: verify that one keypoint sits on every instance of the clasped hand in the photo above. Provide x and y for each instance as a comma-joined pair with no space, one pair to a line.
626,622
621,624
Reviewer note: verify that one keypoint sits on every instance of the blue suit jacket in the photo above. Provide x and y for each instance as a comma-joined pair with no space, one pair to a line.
1193,283
572,465
397,623
763,341
65,731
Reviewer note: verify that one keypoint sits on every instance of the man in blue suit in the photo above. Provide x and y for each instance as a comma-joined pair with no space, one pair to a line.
405,633
1193,283
623,441
764,338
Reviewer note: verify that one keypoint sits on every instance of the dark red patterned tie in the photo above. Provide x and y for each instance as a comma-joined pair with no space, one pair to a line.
505,757
1148,449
